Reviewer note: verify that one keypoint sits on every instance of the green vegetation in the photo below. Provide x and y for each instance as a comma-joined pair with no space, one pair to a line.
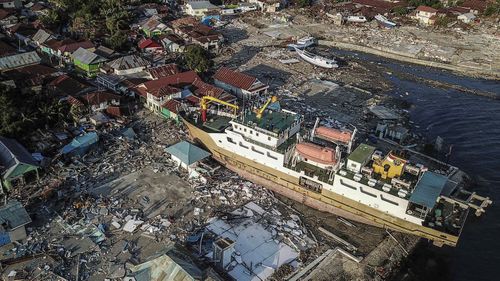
303,3
444,21
493,9
436,4
197,58
24,112
92,16
400,11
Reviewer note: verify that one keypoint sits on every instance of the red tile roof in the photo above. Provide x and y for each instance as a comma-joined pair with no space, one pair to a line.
426,9
67,85
4,13
193,99
74,101
172,105
96,98
234,78
163,70
205,89
479,5
117,111
148,43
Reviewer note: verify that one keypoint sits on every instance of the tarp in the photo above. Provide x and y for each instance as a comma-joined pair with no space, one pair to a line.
80,145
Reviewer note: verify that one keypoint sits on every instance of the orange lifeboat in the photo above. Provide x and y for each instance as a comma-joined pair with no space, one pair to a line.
332,134
316,153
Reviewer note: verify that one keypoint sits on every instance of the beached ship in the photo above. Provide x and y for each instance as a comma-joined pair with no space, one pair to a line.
385,22
316,59
322,168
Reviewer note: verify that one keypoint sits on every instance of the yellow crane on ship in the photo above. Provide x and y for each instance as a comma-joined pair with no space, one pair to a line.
270,100
206,100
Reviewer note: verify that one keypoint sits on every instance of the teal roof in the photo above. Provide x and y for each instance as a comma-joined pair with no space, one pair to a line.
361,153
187,152
428,188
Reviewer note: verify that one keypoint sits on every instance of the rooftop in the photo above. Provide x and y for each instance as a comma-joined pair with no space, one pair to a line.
128,62
428,189
12,153
19,60
273,121
198,5
361,153
13,215
188,153
87,57
234,78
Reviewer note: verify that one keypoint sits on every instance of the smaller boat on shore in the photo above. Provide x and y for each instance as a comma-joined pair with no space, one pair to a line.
356,19
303,43
316,60
384,21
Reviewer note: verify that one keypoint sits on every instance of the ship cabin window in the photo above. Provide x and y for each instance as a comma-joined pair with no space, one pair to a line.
271,156
257,134
255,150
268,138
242,145
251,132
236,126
231,140
245,130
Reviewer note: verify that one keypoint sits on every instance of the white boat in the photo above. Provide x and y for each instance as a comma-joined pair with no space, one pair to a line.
384,21
316,60
356,19
303,43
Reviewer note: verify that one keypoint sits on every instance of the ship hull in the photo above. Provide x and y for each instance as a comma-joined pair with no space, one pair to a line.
327,201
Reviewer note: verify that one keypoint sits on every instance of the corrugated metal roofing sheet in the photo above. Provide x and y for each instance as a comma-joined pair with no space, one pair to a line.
19,60
188,153
234,78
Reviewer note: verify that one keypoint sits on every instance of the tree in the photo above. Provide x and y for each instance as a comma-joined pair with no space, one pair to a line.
117,41
492,9
21,112
303,3
197,58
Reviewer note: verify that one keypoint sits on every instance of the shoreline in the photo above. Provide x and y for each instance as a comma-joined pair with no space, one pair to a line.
468,71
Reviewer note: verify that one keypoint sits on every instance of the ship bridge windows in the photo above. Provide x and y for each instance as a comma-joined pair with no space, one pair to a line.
244,146
231,140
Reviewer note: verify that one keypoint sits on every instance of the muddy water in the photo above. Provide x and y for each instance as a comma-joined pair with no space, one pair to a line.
447,107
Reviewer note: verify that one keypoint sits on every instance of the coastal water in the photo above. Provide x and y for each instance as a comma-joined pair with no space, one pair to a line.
471,124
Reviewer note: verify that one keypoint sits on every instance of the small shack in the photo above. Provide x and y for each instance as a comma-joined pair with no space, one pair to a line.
13,218
187,155
15,162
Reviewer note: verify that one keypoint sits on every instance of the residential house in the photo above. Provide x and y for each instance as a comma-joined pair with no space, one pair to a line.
13,219
187,155
240,84
87,61
11,4
467,17
150,46
157,92
32,77
100,100
162,71
154,27
65,48
40,37
126,65
19,60
267,6
15,162
170,109
476,6
193,32
173,43
8,18
426,15
105,52
65,86
80,145
198,8
377,6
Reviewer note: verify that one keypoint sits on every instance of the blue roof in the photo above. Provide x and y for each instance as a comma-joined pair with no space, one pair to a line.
428,188
80,142
188,153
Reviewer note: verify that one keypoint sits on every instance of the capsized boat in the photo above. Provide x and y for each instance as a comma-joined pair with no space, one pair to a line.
303,43
317,60
384,21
